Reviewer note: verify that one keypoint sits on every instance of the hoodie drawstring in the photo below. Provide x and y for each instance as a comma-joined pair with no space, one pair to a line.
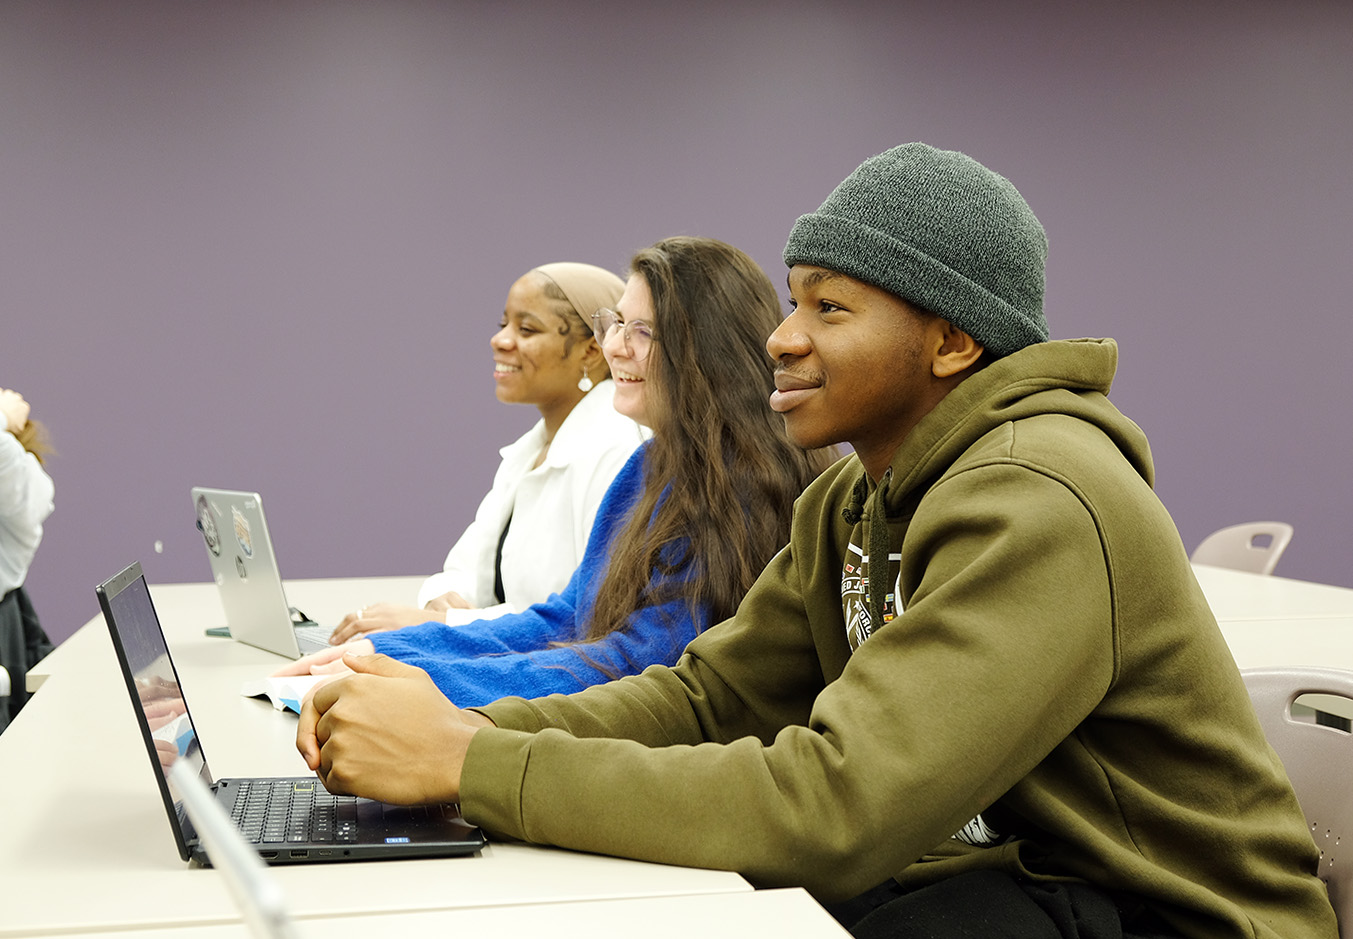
854,510
879,549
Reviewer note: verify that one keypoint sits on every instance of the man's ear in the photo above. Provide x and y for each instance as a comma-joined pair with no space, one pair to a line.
955,351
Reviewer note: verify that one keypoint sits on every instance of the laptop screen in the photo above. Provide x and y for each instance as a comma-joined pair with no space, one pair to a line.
161,711
356,830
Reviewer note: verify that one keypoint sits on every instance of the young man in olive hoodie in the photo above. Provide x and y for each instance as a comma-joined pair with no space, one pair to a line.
978,694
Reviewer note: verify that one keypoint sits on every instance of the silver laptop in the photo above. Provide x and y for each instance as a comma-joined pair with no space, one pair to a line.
286,820
244,567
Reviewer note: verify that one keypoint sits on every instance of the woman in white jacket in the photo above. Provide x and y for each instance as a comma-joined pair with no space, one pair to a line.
26,494
530,531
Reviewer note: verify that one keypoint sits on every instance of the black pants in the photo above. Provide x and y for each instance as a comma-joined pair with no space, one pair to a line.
22,643
990,904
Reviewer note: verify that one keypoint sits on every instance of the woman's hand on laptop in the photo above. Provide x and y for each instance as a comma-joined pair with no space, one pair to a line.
326,661
378,617
347,736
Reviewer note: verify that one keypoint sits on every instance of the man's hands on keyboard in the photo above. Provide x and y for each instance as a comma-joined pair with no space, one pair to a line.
345,734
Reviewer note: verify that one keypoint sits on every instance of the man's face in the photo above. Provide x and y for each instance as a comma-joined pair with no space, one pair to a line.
853,364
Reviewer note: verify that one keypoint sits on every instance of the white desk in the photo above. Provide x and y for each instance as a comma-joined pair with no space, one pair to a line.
1276,621
1236,596
92,826
1325,641
187,609
785,914
86,839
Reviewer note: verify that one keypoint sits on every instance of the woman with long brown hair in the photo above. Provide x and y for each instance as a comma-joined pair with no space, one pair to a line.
689,522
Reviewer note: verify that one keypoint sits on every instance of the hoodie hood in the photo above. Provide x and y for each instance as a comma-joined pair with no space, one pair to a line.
1065,377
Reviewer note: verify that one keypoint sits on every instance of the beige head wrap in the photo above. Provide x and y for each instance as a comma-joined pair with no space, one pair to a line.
587,287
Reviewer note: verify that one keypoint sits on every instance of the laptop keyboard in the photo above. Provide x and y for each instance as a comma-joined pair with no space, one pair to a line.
285,810
295,811
314,635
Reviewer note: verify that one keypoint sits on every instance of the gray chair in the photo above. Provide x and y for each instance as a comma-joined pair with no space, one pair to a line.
1252,546
1319,761
4,698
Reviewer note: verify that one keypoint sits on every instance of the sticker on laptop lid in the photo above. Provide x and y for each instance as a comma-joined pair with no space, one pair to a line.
206,523
242,533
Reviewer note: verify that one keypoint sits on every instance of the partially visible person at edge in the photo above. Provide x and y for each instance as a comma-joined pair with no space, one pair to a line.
979,694
26,499
531,529
690,521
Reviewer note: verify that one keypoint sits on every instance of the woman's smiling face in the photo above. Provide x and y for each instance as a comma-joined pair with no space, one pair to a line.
535,359
631,374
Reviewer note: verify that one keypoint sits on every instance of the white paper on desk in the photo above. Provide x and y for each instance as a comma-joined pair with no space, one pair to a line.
285,691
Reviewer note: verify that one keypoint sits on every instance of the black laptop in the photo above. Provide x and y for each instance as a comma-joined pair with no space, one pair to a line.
287,820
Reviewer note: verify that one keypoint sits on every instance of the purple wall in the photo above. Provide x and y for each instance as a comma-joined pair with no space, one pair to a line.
263,245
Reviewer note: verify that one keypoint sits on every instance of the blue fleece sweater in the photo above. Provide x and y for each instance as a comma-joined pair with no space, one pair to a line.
511,655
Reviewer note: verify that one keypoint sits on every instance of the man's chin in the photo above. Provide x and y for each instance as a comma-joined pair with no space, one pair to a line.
803,434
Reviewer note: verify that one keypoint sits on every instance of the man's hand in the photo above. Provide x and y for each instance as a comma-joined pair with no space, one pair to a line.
386,732
378,617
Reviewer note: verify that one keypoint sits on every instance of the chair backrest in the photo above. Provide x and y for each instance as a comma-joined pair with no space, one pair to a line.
1253,546
1319,761
4,698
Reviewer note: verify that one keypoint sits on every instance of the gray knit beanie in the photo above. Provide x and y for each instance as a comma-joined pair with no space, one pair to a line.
941,231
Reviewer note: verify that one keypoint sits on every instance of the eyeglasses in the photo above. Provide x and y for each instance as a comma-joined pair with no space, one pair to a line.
637,333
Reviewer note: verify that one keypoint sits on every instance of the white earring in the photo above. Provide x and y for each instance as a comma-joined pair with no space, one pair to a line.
585,383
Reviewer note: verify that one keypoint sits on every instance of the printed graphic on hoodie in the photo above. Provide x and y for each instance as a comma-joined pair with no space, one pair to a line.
855,594
859,627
